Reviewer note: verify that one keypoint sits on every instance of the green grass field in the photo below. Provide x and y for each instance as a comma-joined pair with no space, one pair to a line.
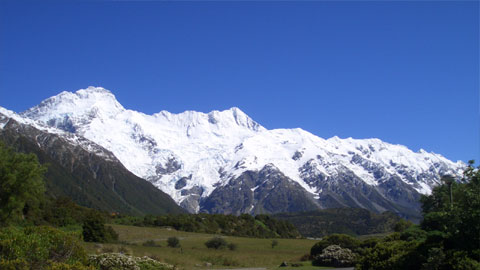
193,254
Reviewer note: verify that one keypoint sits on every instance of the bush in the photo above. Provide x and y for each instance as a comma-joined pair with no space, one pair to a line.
117,261
63,266
274,243
113,261
111,235
390,255
216,243
402,225
39,248
232,246
335,256
94,229
460,261
173,242
342,240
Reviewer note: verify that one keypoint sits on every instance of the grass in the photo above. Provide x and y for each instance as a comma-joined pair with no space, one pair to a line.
193,254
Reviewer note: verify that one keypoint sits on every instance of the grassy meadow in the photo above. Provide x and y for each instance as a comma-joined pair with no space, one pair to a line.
193,254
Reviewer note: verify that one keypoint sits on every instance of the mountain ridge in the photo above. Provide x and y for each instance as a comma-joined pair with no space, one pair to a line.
90,176
191,154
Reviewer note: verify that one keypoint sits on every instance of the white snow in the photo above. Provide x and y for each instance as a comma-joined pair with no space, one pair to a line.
204,144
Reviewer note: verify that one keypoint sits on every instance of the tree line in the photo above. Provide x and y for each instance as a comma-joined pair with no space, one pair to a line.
245,225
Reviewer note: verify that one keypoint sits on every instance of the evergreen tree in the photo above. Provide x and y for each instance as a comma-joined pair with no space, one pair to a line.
22,186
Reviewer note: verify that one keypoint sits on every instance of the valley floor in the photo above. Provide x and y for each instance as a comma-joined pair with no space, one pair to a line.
193,254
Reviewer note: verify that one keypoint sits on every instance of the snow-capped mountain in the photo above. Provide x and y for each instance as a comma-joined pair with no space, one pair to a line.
197,158
85,172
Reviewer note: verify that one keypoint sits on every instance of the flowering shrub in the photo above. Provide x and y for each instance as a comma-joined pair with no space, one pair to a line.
335,256
114,261
118,261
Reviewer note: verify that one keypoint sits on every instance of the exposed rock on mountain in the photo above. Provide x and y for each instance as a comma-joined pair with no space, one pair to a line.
89,174
218,161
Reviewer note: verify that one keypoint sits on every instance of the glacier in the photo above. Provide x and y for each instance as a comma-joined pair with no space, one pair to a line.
194,153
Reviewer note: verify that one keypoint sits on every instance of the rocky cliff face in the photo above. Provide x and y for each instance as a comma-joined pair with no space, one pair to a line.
206,160
259,192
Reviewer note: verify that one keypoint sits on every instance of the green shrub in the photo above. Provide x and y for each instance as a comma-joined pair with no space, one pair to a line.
390,255
146,263
94,229
39,247
111,235
64,266
216,243
232,246
460,261
402,225
173,242
16,264
274,243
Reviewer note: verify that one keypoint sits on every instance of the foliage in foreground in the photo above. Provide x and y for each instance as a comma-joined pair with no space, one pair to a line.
47,248
118,261
448,237
40,248
21,185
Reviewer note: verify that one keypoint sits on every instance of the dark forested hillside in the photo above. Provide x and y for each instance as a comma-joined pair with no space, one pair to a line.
353,221
88,179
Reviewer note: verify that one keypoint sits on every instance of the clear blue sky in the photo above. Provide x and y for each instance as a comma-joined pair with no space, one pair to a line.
404,72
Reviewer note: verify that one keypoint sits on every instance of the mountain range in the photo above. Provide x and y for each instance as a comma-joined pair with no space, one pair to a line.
225,162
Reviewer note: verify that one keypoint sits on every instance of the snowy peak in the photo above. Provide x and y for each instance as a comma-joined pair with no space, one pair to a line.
220,120
93,102
190,154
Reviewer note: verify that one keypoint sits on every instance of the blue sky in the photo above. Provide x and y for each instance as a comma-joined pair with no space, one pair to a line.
404,72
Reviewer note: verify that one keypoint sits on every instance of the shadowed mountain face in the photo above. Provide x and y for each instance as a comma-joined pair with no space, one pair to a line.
225,162
94,179
263,192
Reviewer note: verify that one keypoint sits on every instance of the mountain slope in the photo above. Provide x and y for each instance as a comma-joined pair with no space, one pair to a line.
94,179
198,158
